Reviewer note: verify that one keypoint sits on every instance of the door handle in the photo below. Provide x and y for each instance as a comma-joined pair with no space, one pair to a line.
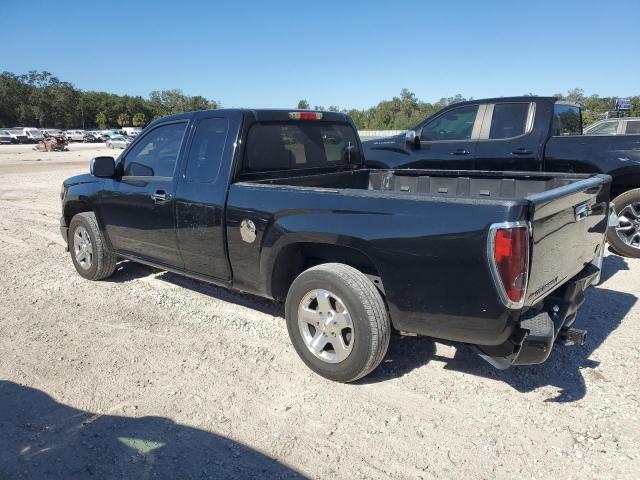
160,196
461,151
521,151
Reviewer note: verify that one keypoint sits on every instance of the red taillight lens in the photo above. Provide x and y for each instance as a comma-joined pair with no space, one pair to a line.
511,261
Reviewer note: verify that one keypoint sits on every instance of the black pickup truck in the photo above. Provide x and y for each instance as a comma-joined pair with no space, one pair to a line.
522,134
279,204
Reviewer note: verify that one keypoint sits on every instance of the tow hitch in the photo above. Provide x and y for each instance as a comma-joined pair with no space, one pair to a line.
573,336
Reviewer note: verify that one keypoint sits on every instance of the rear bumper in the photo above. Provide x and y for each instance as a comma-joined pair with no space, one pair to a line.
532,341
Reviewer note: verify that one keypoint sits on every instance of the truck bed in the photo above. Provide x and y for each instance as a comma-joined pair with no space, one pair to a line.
567,212
439,183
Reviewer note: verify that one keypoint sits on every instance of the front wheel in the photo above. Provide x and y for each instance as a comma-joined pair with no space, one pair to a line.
337,322
625,238
88,250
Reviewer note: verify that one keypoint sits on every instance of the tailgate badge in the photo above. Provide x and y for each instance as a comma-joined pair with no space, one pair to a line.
581,211
248,231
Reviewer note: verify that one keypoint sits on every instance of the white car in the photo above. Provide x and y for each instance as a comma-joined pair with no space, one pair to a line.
132,131
5,137
74,135
52,132
615,126
33,134
118,141
18,136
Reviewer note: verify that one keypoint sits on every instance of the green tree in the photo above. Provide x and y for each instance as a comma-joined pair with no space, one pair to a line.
139,120
303,105
101,120
123,120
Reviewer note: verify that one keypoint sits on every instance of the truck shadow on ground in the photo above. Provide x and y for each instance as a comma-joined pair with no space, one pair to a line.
128,271
42,438
601,314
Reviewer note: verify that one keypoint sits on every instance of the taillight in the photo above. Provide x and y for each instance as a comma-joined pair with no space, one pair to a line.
509,259
305,115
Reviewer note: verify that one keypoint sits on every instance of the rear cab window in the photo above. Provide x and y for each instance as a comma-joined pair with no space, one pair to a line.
298,145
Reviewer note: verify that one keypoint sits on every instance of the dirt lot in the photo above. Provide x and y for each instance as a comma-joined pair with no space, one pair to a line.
149,375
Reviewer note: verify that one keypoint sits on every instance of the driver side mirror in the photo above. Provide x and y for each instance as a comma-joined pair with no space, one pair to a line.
411,138
103,167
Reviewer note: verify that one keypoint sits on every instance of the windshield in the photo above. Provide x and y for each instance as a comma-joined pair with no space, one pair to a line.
300,145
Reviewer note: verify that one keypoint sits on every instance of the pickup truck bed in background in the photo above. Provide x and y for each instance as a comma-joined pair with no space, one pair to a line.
522,134
278,204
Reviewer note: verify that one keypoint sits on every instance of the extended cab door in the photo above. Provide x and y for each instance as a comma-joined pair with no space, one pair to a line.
508,140
447,141
137,207
201,196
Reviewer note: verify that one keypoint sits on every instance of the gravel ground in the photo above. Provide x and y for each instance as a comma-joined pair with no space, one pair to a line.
150,375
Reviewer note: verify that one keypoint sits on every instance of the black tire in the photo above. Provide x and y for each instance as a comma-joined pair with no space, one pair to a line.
621,202
366,307
103,262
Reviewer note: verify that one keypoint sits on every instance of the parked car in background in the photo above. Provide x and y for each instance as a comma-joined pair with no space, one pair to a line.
107,134
33,134
132,131
499,260
5,137
522,133
74,135
615,126
92,137
18,136
118,141
52,132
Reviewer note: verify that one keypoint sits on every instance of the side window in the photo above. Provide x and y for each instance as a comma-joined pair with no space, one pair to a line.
566,120
205,154
509,120
606,128
633,127
156,154
456,124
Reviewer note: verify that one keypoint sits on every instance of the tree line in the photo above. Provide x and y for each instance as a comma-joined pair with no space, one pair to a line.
39,99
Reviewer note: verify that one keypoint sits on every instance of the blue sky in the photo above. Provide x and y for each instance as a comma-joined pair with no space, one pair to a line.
350,54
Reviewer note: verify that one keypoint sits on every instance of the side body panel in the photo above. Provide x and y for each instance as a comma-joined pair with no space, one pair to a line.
429,252
615,155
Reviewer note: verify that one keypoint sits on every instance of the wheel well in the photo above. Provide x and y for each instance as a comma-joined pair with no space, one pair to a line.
624,183
296,258
71,209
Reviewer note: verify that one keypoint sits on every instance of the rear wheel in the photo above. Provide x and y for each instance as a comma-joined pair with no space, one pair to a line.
337,322
625,238
87,246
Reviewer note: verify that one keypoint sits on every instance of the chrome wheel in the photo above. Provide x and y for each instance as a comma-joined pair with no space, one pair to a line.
325,326
82,248
629,229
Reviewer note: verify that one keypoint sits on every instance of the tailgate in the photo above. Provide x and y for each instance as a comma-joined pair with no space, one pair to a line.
568,227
